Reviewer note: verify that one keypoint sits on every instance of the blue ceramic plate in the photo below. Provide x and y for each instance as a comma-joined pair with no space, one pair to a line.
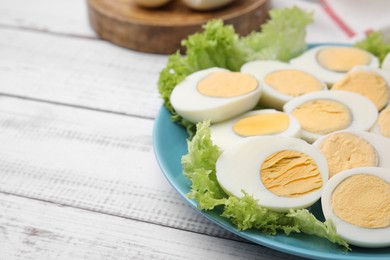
169,140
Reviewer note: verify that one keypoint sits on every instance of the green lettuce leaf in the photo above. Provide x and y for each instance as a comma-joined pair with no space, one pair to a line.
244,212
199,167
217,46
375,43
282,37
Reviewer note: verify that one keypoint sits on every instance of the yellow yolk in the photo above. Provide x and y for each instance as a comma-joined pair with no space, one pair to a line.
342,59
290,174
323,116
384,122
292,82
262,124
363,200
345,151
227,84
368,84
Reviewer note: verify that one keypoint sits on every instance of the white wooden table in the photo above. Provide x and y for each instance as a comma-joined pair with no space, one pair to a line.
78,177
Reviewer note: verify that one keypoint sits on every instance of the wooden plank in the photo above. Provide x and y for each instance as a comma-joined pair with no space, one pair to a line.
91,160
54,16
78,72
39,230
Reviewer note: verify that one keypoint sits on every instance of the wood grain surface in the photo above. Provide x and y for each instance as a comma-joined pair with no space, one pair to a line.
41,230
160,30
116,80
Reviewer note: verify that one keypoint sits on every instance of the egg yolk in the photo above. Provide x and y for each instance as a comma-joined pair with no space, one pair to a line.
346,151
384,122
322,116
342,59
368,84
227,84
290,174
262,124
292,82
363,200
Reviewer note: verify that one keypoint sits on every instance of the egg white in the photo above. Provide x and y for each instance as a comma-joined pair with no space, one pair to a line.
223,135
195,107
238,170
364,113
203,5
270,96
355,235
381,145
308,61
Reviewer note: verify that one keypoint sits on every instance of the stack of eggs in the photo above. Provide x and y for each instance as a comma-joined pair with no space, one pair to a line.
323,132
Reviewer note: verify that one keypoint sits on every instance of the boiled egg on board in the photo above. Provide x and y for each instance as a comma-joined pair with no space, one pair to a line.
358,203
215,94
320,113
254,123
152,3
350,149
373,83
331,62
203,5
281,81
281,173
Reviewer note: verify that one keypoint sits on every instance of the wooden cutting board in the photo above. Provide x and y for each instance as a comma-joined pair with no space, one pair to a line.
161,30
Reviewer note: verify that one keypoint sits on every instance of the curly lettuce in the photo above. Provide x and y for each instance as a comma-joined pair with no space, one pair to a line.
282,37
244,213
375,43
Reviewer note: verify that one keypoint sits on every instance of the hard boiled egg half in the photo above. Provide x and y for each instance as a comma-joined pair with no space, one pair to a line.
215,94
358,203
281,173
352,149
321,113
330,62
254,123
281,81
373,83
